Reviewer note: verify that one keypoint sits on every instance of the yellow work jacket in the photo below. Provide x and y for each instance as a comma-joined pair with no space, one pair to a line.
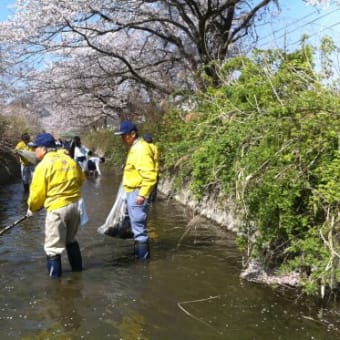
56,182
156,155
140,170
23,146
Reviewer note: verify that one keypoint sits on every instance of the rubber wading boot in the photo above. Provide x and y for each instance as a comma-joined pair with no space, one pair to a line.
142,250
74,256
54,266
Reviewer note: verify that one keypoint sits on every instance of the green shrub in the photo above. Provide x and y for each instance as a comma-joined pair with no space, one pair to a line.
269,139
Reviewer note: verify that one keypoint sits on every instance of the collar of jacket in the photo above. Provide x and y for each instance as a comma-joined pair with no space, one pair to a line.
136,141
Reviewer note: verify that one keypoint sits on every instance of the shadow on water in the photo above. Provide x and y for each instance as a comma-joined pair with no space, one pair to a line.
190,289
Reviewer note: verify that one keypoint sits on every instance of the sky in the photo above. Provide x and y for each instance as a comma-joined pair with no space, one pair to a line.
4,10
286,28
295,19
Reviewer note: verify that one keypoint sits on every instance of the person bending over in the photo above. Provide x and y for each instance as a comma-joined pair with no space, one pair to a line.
93,165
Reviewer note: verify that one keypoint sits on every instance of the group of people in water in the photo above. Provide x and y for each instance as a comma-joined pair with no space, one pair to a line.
87,160
54,183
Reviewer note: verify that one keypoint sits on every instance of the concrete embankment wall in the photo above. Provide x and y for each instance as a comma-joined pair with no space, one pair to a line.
224,213
211,206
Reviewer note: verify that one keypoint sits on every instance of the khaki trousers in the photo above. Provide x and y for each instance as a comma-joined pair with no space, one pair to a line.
61,227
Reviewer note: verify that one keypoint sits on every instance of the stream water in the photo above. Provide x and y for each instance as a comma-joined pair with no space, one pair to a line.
190,288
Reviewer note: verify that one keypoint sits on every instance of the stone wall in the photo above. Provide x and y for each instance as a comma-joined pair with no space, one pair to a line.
212,206
224,213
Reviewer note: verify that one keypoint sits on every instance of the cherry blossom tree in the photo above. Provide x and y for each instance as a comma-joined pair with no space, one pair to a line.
98,54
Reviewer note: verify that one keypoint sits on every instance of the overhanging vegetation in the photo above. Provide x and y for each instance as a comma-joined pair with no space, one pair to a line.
269,139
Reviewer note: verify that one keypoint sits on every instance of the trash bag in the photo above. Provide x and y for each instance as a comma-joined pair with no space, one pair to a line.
27,155
84,218
117,223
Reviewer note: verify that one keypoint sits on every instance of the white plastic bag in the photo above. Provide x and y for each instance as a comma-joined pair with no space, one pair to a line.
84,218
117,223
27,155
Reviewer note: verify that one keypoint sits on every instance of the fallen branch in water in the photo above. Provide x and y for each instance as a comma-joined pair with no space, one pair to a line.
180,306
192,223
323,322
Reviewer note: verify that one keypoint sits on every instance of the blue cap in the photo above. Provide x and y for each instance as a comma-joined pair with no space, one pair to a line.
148,137
44,139
126,127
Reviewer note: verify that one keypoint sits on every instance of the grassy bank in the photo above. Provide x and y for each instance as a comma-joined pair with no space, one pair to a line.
269,140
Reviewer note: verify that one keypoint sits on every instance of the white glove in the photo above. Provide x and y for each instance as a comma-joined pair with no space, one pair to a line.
29,213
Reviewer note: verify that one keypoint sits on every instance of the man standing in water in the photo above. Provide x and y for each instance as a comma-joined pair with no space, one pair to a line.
56,186
139,179
27,167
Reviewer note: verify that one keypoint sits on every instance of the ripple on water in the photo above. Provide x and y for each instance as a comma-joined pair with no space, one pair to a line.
190,289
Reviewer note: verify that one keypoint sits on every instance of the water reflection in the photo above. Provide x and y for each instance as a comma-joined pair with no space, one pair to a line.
58,310
190,289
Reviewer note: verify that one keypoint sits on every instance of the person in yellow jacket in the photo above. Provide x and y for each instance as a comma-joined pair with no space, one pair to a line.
139,178
156,157
27,168
56,186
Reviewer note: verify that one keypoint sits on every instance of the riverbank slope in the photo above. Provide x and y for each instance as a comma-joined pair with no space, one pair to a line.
224,213
9,167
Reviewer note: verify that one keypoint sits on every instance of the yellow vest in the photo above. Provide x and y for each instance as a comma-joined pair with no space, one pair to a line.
140,169
23,146
156,155
56,182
